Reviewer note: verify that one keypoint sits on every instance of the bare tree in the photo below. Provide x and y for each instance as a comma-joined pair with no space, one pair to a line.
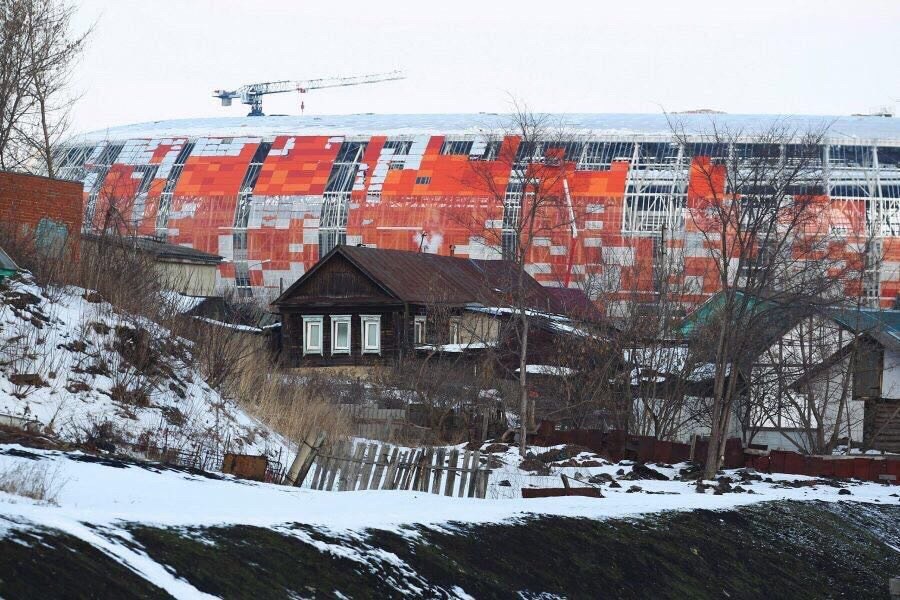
535,203
37,52
757,206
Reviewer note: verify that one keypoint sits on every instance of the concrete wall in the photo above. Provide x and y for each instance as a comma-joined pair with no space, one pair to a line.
188,278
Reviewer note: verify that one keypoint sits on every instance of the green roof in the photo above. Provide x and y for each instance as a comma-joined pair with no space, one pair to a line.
883,325
7,266
707,311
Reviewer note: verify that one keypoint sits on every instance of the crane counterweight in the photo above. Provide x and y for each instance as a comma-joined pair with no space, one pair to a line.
252,94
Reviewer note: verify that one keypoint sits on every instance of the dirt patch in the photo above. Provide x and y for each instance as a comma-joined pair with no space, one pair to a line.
533,465
27,380
496,448
642,471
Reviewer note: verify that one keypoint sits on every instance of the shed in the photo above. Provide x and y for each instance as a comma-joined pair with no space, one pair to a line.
182,269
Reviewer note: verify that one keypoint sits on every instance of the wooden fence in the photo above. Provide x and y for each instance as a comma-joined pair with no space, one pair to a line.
375,423
374,466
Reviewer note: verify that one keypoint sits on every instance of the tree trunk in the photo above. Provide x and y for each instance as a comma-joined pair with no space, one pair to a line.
523,389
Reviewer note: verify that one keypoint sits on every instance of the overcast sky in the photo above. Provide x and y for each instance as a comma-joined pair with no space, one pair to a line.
161,59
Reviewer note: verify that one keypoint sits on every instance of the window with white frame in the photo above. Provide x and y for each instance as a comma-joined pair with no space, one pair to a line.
454,330
312,335
419,330
371,334
340,334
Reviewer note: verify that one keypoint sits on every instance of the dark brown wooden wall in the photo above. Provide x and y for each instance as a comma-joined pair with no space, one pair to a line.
394,336
337,279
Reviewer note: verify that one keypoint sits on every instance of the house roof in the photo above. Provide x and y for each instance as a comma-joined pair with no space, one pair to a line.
423,278
163,250
575,303
883,325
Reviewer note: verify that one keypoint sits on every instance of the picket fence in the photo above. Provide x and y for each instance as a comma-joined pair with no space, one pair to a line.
375,466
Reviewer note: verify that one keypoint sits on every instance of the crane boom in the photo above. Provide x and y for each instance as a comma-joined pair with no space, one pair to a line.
252,93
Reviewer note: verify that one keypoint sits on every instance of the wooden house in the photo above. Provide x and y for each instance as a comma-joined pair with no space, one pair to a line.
362,306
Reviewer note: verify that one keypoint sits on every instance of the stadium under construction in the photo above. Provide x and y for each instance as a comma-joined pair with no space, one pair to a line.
273,194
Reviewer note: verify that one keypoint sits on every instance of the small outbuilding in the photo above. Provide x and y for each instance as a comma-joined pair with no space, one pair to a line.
181,269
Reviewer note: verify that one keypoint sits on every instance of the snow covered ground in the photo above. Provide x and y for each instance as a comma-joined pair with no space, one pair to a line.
96,498
169,497
70,362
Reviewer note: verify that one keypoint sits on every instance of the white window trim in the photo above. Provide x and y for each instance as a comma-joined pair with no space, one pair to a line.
307,321
455,323
364,321
335,319
416,321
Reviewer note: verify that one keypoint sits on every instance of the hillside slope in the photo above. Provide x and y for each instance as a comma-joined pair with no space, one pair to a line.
74,366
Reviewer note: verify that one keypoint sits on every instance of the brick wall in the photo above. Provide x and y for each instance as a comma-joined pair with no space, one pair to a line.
46,206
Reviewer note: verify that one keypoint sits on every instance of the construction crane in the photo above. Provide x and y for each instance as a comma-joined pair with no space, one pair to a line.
252,93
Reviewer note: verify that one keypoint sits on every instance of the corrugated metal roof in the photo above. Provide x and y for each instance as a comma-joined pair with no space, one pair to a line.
840,128
162,249
883,325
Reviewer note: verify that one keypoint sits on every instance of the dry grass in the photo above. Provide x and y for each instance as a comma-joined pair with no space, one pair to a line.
291,405
32,480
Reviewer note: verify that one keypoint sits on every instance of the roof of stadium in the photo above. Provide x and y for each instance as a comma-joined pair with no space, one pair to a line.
847,129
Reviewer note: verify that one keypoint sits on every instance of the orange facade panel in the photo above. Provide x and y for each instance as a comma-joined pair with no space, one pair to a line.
297,166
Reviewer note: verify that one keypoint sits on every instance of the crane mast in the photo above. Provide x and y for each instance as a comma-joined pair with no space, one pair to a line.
252,93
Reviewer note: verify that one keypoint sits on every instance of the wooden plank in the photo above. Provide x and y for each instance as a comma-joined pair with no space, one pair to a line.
426,471
485,481
363,466
314,449
410,469
335,464
341,467
320,462
327,466
463,476
438,471
378,469
348,465
473,475
366,474
355,466
402,466
388,483
451,473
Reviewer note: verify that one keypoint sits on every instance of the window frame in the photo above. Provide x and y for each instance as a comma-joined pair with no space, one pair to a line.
337,320
454,333
309,320
365,320
419,329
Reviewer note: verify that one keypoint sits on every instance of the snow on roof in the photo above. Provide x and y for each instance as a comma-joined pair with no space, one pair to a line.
548,370
233,326
559,323
181,302
453,348
841,128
